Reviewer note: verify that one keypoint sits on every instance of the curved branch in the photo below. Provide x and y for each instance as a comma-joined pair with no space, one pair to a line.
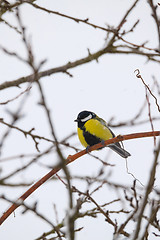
70,159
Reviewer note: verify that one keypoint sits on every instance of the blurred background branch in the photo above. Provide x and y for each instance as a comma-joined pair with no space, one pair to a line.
95,62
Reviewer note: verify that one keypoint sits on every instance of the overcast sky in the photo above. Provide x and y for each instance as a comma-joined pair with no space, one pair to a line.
109,88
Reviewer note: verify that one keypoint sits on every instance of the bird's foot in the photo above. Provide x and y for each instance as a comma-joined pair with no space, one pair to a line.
103,143
87,149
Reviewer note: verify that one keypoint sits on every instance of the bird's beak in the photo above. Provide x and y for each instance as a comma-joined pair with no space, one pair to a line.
76,120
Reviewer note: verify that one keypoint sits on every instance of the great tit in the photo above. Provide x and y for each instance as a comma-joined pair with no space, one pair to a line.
92,130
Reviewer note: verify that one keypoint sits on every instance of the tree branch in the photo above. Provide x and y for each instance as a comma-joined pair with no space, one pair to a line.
69,160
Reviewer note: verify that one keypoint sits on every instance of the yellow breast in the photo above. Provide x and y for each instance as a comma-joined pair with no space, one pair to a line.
81,138
96,128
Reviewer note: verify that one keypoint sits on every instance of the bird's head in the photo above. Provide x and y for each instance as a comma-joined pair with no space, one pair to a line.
83,117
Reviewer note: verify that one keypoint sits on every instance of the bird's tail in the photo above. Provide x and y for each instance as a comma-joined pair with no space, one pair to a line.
118,149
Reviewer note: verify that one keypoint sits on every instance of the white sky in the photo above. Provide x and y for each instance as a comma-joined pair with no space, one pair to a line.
109,88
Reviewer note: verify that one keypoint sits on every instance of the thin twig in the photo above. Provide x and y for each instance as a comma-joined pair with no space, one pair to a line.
138,75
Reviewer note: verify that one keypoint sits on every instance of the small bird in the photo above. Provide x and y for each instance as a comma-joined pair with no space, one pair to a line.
92,130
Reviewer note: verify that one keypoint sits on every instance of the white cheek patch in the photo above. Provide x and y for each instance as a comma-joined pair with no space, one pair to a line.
86,118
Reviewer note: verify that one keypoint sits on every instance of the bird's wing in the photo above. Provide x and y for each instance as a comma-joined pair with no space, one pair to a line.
105,124
116,146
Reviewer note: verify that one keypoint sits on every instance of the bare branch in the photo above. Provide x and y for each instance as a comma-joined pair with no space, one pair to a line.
73,158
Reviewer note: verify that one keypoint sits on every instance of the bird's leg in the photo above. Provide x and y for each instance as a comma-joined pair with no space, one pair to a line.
103,143
87,149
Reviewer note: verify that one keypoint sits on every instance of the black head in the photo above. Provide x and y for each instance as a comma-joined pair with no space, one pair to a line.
83,117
